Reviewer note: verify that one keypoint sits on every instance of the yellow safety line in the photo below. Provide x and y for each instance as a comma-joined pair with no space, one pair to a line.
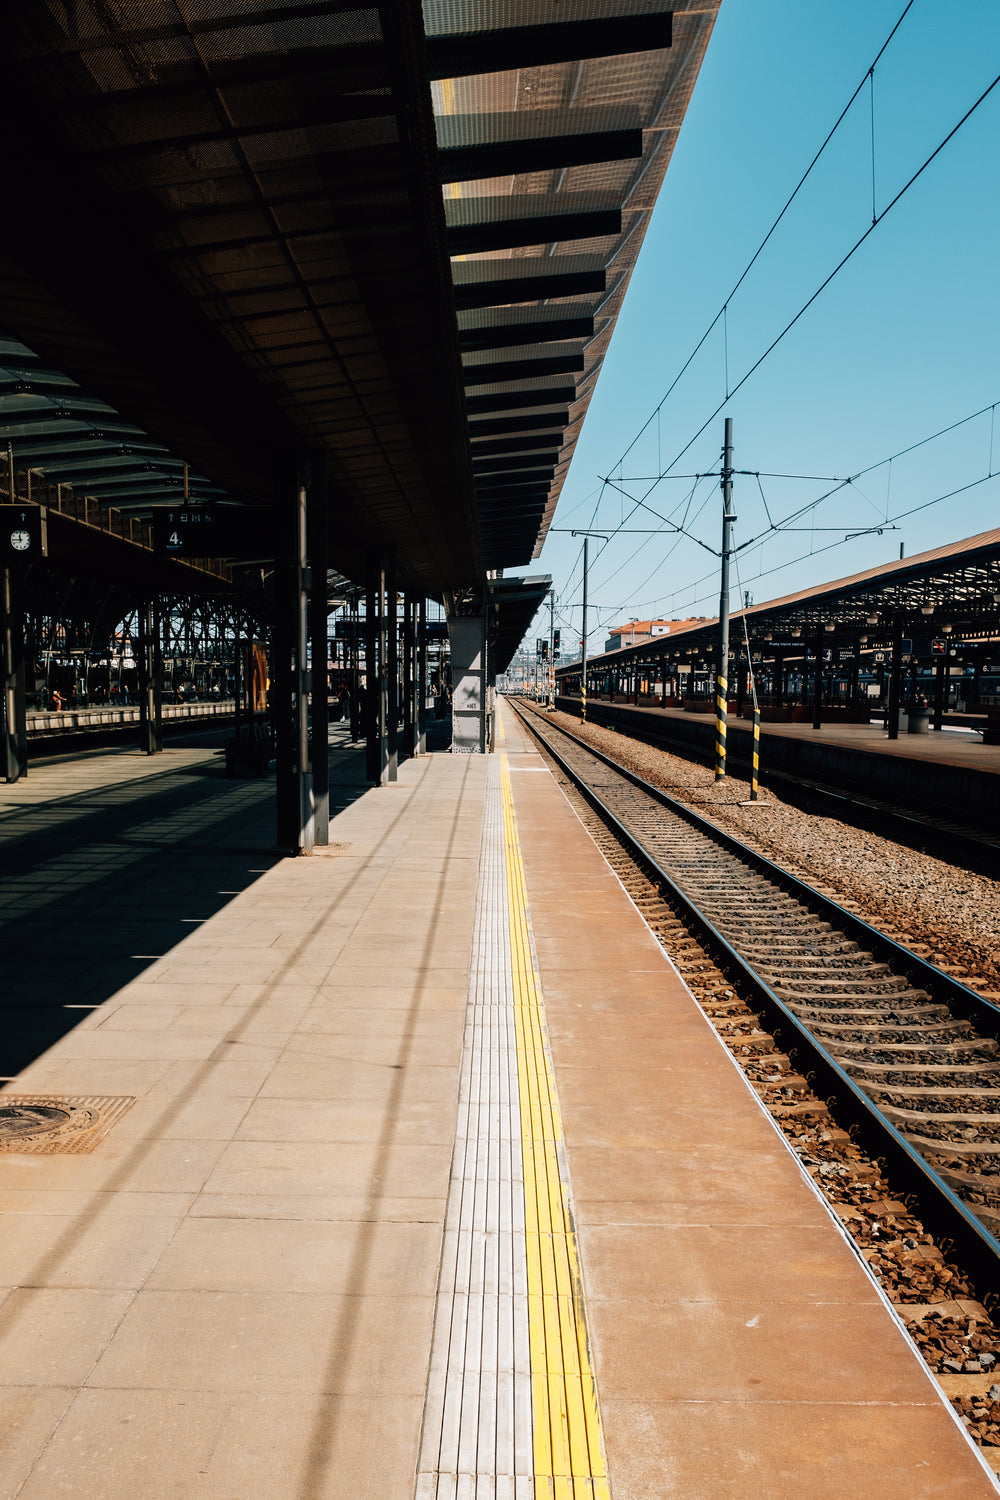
568,1442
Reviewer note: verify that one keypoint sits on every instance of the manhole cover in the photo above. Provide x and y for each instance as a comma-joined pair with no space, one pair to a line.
30,1119
41,1123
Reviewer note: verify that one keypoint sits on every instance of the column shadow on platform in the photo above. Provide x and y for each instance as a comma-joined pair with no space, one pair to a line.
97,886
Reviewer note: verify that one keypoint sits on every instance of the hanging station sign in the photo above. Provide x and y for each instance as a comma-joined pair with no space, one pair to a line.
187,531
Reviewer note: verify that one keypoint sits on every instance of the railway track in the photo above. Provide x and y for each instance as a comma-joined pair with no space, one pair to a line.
909,1055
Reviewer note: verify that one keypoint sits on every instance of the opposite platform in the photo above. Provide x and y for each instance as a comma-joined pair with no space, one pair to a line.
433,1163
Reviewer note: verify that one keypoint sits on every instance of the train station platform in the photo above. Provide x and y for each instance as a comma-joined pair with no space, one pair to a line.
949,769
407,1169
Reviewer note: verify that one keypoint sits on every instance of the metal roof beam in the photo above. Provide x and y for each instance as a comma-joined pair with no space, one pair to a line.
517,141
461,54
494,283
512,400
559,360
476,225
523,445
489,427
524,489
542,331
514,462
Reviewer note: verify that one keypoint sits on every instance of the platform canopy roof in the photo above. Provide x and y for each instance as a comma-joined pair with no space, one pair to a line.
395,236
514,602
952,590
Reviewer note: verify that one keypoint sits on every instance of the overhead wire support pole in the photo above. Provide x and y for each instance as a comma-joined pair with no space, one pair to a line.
583,633
583,641
551,696
722,666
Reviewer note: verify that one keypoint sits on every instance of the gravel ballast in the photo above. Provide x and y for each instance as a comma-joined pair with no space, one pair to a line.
944,913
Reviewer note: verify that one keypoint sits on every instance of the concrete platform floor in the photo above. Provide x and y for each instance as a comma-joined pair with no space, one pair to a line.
950,747
234,1293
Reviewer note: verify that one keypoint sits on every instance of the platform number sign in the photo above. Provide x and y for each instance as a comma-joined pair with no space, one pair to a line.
205,531
183,532
25,531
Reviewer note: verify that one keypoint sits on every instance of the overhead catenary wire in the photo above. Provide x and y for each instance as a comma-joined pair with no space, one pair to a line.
890,520
839,266
723,309
878,219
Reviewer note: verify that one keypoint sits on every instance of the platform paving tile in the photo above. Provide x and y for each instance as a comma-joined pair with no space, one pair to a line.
81,1204
183,1445
116,1163
419,1122
203,1117
255,1342
53,1335
28,1417
422,1045
351,1258
305,1168
350,1001
166,991
53,1074
419,1208
394,1083
142,1044
787,1450
93,1249
689,1185
753,1351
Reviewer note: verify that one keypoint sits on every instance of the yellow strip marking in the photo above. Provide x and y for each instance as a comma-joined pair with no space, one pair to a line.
568,1443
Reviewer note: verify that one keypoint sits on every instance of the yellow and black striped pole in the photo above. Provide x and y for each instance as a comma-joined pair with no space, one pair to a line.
721,704
755,773
722,666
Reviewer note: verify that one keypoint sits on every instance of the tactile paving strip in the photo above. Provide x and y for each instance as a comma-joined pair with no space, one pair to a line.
511,1410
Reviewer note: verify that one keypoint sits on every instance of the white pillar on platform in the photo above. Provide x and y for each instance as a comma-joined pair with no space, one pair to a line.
472,684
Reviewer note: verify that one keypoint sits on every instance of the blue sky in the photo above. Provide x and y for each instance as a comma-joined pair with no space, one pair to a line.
904,341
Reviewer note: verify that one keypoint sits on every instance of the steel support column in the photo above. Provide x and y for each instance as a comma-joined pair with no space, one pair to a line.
895,673
818,684
294,799
409,675
391,672
375,669
357,723
14,705
319,714
940,667
421,723
150,697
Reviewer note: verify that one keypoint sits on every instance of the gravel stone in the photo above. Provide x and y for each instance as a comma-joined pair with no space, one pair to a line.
946,914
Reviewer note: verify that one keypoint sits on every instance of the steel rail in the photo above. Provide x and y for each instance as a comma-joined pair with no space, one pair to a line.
953,1224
